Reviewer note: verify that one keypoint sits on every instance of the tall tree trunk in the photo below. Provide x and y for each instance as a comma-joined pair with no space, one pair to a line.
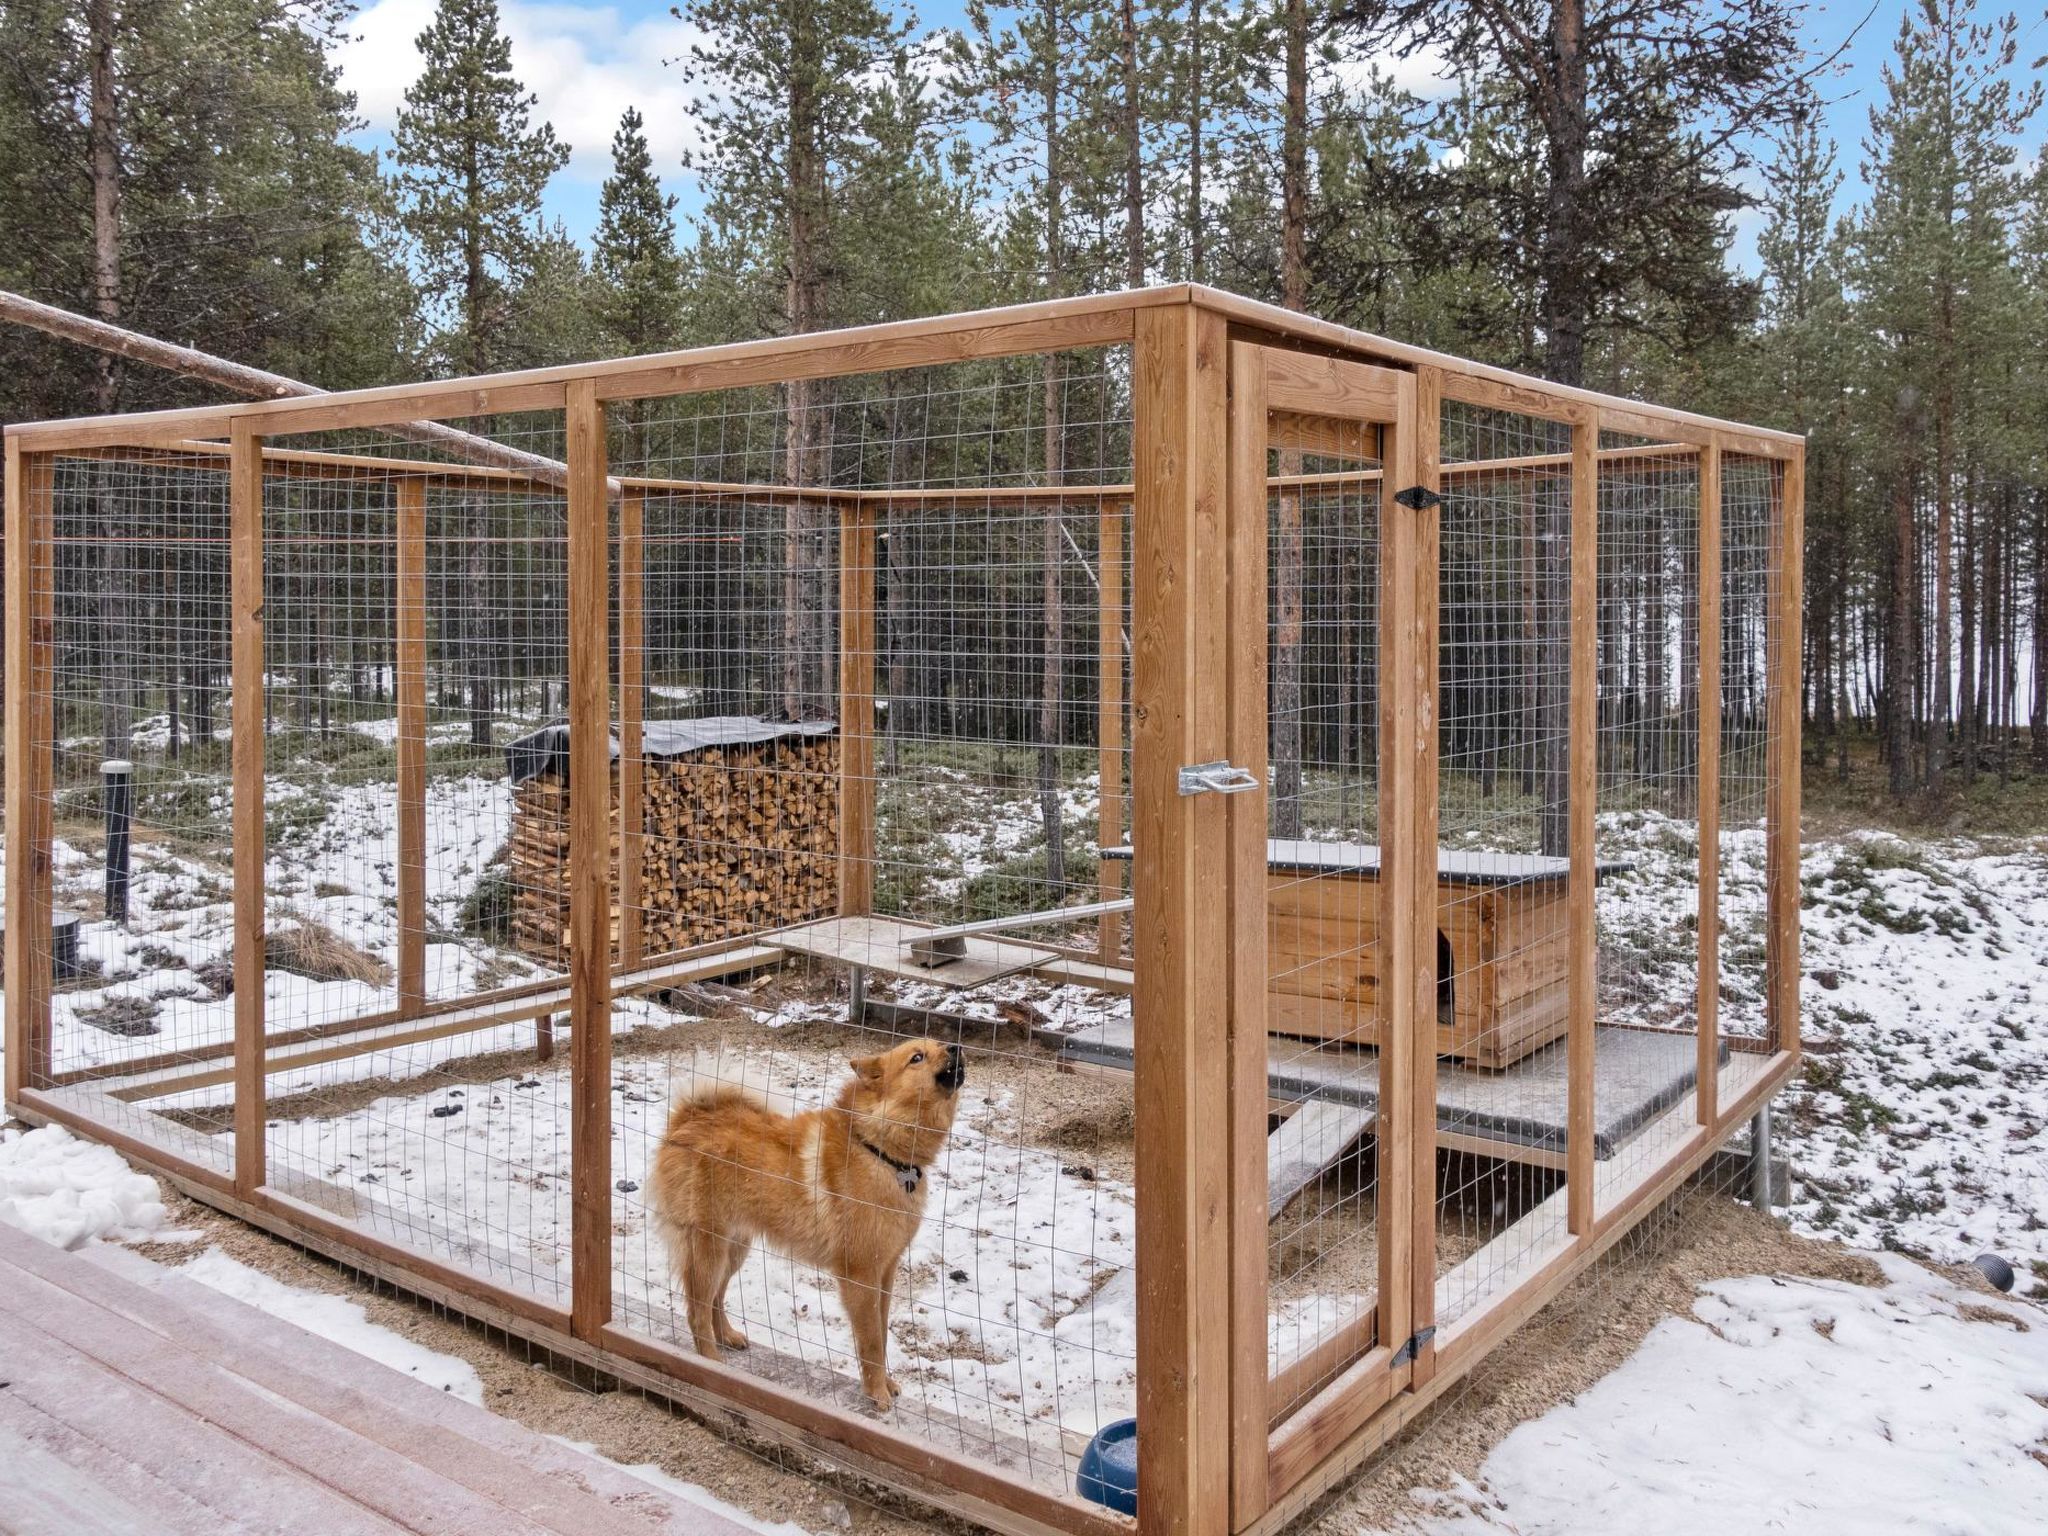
1287,564
1134,153
1195,112
1564,301
1899,667
104,149
1051,658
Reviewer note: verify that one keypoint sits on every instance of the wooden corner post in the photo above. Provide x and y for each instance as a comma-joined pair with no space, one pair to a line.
1179,635
1582,765
30,492
1781,878
245,527
590,1040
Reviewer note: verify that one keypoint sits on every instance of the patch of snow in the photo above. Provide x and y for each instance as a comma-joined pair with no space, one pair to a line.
688,1493
1790,1405
71,1192
336,1319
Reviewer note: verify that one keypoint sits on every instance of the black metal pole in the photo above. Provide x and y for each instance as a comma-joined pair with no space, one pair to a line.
119,801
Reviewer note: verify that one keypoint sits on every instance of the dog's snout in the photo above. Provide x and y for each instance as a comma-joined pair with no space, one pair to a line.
954,1073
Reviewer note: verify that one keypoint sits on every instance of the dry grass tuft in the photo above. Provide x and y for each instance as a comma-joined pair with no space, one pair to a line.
317,952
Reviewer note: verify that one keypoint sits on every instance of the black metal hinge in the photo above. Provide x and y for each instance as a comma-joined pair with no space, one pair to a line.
1416,497
1413,1347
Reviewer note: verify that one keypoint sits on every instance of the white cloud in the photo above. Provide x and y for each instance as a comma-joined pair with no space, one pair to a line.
586,63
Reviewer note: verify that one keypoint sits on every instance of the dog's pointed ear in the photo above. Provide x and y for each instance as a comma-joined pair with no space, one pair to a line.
867,1068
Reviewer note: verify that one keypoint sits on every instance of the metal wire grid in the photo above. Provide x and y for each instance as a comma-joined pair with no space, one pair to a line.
1647,758
1750,570
1323,927
449,1146
1504,668
136,579
976,672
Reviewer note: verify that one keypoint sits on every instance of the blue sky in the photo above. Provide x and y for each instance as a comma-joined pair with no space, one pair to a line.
589,61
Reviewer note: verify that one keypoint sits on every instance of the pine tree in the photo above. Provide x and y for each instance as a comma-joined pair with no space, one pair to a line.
471,171
787,109
1939,159
636,258
1639,112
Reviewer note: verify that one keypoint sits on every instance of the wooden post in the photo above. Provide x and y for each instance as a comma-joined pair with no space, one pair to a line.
856,707
409,683
1249,747
1408,903
1109,721
245,512
590,1034
1781,877
31,494
632,714
1181,1001
1707,1071
1582,767
1423,428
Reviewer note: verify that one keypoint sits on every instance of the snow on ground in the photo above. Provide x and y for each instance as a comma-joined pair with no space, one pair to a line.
1920,1120
71,1192
689,1493
1791,1405
336,1319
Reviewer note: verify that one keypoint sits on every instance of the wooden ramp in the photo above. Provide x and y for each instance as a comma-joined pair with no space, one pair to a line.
134,1400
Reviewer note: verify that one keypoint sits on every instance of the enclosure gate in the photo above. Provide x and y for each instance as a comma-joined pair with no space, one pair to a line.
1299,423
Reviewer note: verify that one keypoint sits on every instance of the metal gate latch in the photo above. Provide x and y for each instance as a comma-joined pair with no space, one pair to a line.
1216,778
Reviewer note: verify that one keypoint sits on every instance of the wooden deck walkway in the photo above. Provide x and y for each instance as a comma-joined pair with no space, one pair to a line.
134,1400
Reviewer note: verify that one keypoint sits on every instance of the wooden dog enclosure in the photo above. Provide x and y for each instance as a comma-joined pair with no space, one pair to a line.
1451,718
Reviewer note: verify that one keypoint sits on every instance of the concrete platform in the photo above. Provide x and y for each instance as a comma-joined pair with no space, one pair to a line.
1518,1113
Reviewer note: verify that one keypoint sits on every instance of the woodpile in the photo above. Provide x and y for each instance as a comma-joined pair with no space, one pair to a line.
738,837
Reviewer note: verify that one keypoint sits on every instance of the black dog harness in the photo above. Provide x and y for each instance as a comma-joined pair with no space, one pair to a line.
909,1175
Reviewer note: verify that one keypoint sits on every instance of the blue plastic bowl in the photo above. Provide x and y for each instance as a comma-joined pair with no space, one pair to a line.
1109,1467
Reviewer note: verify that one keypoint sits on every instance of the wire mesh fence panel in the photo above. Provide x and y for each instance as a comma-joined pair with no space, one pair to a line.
139,799
1503,918
862,635
1325,985
414,634
1647,811
1749,572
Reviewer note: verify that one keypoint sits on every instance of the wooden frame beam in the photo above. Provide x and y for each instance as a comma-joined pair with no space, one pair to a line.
1583,770
590,776
30,634
857,647
632,718
1179,638
245,514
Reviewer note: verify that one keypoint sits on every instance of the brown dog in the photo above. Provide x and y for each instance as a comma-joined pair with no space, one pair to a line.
841,1187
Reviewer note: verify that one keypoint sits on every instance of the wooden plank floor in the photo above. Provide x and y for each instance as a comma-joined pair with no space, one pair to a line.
134,1400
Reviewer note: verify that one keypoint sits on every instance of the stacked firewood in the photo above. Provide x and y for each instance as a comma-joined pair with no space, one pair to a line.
736,839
